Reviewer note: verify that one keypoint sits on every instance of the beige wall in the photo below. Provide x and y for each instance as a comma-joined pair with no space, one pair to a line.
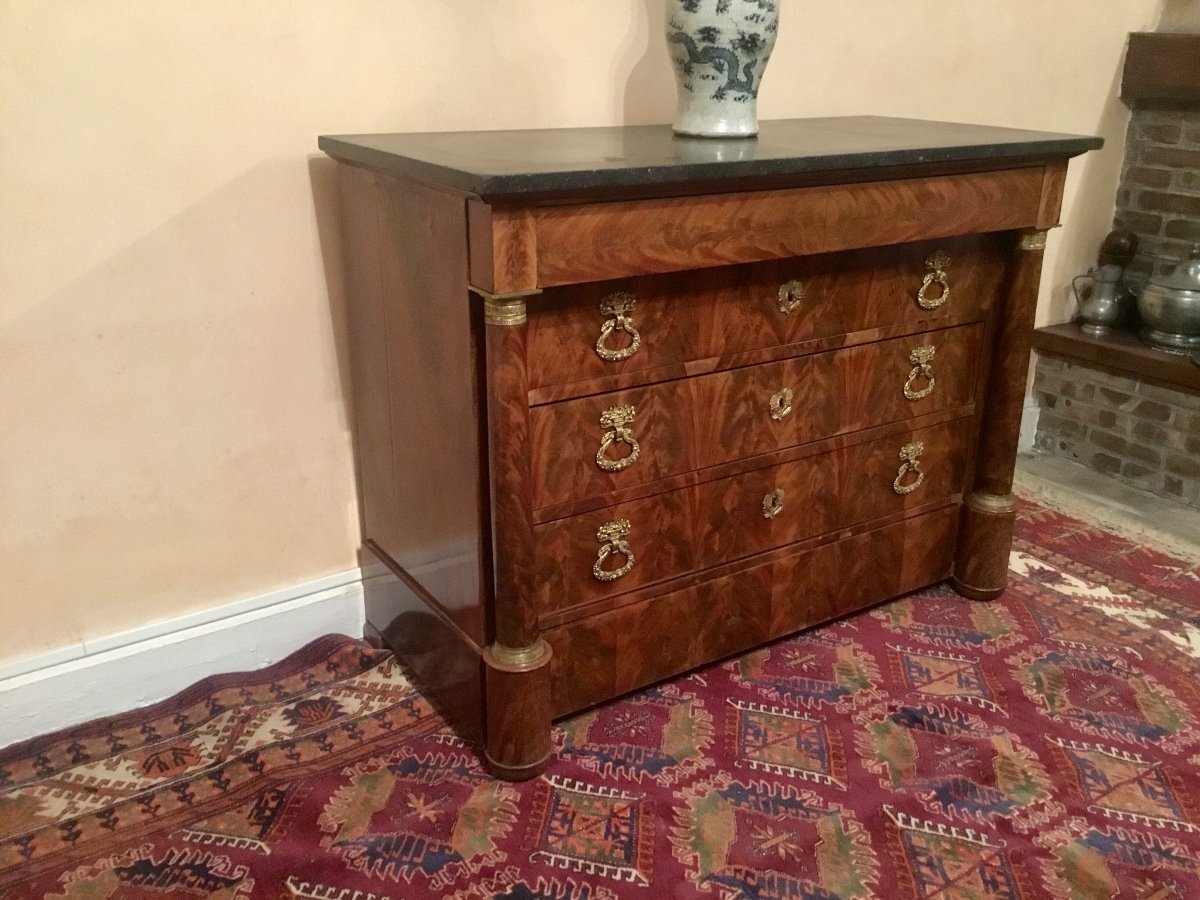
174,425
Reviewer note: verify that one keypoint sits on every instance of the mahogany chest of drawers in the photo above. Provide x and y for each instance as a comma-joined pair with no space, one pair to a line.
627,403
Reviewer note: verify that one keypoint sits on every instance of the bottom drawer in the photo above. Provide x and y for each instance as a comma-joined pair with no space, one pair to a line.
611,653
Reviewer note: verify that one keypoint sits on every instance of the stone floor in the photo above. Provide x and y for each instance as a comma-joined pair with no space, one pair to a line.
1083,493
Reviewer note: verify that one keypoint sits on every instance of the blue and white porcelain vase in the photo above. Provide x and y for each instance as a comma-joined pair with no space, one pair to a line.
720,49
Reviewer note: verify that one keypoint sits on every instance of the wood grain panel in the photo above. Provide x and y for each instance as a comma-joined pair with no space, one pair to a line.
611,384
514,238
660,537
732,417
715,314
729,522
415,386
503,240
743,466
595,242
565,438
709,524
892,561
444,659
612,653
985,538
709,420
1012,343
1052,194
872,377
518,711
869,470
687,529
510,481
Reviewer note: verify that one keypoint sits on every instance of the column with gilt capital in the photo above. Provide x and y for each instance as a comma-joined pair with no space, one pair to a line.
989,508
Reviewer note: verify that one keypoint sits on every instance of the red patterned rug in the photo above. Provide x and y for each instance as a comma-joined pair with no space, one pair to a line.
1045,745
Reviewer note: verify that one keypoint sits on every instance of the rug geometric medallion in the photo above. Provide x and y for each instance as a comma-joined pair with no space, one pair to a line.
1043,745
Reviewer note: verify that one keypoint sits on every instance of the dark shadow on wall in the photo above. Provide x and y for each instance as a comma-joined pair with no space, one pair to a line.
326,194
650,85
323,176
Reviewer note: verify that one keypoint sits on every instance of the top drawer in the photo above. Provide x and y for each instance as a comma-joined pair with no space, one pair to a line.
520,248
654,324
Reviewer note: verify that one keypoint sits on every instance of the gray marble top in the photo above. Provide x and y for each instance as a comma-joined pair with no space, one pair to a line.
520,164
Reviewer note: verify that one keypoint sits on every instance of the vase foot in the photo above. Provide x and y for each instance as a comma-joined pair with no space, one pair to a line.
712,119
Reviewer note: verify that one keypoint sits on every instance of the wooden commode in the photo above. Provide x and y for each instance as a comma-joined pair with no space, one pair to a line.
628,403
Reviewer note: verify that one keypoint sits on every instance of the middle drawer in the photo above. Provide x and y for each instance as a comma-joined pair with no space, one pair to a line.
594,445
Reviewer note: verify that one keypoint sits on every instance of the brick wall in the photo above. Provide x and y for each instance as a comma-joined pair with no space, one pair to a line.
1159,197
1142,434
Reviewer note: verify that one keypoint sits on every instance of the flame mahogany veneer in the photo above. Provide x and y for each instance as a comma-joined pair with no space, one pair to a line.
720,521
729,316
474,316
695,423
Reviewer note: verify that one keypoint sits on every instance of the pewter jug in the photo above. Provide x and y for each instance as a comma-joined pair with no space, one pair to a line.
1100,310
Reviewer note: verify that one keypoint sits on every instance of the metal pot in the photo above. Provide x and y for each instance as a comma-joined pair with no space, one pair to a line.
1170,307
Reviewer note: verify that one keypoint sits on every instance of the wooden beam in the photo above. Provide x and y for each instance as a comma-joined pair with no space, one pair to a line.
1162,67
1120,352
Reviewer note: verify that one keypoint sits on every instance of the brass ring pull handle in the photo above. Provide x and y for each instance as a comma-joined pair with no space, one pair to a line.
937,264
921,359
618,306
612,540
910,464
772,504
781,404
617,420
791,295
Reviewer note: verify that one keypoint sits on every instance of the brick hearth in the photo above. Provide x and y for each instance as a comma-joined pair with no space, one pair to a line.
1142,434
1113,404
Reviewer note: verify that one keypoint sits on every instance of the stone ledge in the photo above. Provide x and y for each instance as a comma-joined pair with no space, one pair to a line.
1120,352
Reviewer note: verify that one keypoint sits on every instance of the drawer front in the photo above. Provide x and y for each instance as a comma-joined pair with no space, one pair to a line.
765,508
896,473
606,655
593,445
599,241
612,551
714,314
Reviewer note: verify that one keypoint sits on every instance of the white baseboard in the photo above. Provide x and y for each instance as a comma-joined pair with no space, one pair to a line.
120,672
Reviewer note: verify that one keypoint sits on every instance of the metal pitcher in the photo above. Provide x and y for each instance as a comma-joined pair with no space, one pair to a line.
1103,307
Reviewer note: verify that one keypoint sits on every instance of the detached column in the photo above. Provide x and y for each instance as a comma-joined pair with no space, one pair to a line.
989,512
517,662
